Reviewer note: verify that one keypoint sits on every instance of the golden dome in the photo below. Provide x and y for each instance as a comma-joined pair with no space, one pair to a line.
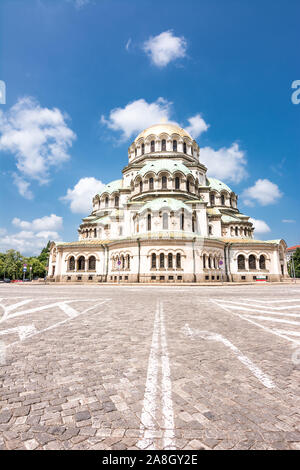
163,128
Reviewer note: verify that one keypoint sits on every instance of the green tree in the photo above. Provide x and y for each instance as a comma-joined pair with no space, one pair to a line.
296,258
11,264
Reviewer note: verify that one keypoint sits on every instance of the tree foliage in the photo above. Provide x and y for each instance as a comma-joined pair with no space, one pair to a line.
296,258
12,262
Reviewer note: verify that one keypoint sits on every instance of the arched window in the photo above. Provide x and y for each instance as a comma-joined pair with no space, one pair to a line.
170,260
92,263
236,231
209,262
135,152
128,262
117,201
241,262
184,147
252,262
95,233
182,221
149,222
153,260
178,260
81,263
223,200
123,262
192,150
174,145
215,264
161,260
210,230
262,262
188,185
143,149
193,223
151,183
212,199
141,186
163,144
165,221
106,201
164,182
152,146
204,261
71,263
177,182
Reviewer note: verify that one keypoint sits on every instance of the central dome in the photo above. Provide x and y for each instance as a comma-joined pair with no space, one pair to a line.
163,128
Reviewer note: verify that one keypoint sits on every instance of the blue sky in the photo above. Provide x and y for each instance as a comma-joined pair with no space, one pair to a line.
82,76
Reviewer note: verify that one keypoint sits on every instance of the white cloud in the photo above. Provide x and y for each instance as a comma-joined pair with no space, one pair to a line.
228,163
260,226
164,48
39,139
28,243
33,235
47,223
263,192
23,186
81,196
288,221
137,115
197,126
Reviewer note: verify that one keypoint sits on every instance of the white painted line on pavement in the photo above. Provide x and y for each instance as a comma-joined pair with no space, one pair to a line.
255,310
167,410
256,371
260,305
273,301
68,310
18,304
40,308
243,317
158,355
149,403
287,332
22,331
38,332
272,319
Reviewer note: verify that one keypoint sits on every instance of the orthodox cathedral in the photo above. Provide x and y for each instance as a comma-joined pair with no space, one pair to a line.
165,220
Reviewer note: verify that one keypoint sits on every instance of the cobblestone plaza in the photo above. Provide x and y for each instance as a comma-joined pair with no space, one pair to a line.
144,367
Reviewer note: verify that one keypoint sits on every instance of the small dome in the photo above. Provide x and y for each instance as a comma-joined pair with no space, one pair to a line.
163,128
218,185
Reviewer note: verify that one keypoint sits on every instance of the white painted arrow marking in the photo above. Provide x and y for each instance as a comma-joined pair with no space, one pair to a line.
259,374
23,331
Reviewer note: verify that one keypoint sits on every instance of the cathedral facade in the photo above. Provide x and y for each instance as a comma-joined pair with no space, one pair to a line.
166,221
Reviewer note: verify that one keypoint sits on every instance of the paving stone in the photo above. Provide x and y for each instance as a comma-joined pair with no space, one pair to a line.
5,416
82,416
31,444
21,411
